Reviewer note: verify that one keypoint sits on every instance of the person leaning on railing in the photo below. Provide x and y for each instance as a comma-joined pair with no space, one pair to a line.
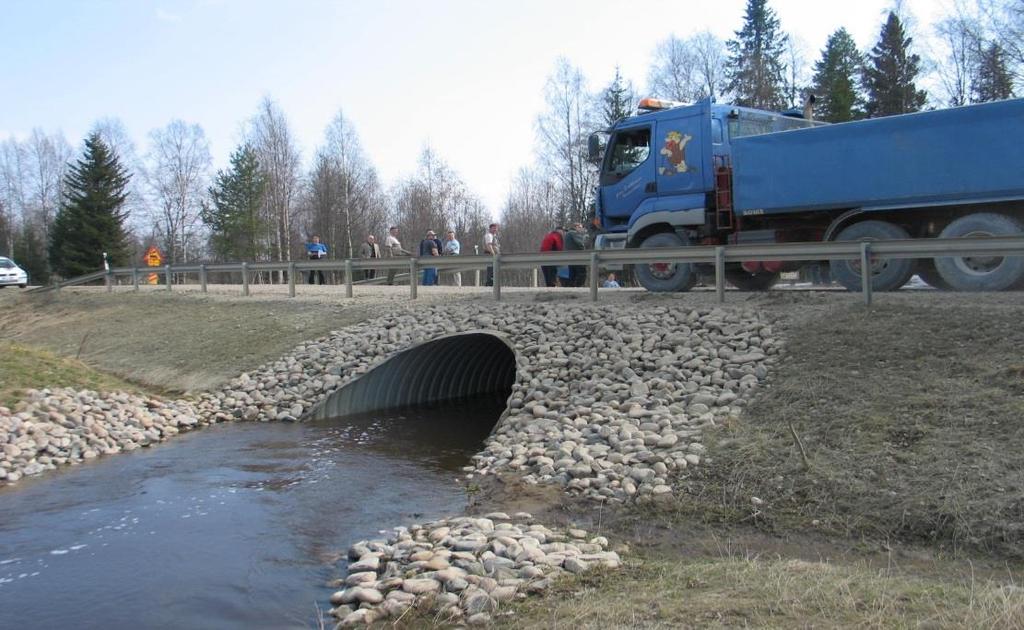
316,250
393,249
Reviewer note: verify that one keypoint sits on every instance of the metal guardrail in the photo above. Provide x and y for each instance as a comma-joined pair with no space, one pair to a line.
717,255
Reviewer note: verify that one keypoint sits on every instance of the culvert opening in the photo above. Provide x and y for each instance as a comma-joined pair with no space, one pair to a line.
473,366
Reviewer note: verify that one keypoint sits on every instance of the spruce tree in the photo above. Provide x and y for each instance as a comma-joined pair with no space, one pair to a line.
91,218
617,99
755,68
992,81
835,79
890,73
233,215
30,252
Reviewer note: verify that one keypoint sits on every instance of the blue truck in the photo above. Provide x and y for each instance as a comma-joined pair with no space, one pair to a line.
713,174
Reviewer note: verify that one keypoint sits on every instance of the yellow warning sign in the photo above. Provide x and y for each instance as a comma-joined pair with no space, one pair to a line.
153,258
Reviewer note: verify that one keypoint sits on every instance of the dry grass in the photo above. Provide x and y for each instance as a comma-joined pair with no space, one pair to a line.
770,593
911,424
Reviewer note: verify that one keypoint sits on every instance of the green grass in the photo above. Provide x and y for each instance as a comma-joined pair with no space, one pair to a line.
24,367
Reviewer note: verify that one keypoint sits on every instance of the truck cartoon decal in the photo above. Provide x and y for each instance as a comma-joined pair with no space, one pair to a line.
674,153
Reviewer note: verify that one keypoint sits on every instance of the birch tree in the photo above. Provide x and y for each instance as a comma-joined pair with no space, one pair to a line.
687,69
344,199
279,160
562,133
177,175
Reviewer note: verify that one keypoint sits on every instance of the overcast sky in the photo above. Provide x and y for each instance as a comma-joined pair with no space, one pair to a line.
464,76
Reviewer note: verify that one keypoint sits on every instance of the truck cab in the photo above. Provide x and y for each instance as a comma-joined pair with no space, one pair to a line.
667,171
660,166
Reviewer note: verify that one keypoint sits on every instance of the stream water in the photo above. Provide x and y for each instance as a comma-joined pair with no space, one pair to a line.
237,525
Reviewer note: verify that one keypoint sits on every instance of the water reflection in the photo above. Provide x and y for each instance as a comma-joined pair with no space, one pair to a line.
232,526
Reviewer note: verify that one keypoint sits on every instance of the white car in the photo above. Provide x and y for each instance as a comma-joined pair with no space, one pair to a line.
11,273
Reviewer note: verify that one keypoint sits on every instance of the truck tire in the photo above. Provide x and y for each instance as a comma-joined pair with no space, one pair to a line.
665,277
887,274
981,273
931,276
746,281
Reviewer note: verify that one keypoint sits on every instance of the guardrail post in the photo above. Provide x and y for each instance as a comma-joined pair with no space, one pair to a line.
865,271
497,277
135,279
412,278
245,279
291,279
167,275
533,278
720,273
593,276
348,277
202,278
109,281
476,277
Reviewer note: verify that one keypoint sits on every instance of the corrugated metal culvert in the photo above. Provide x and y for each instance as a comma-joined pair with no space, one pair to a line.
447,368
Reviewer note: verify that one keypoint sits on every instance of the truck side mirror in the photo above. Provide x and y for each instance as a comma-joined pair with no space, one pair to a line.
595,147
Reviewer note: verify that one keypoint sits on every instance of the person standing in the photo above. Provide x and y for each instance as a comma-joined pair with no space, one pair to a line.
576,240
553,242
429,247
369,250
315,250
492,248
452,247
393,249
610,282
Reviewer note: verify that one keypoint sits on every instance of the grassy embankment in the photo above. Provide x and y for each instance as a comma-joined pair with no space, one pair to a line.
23,368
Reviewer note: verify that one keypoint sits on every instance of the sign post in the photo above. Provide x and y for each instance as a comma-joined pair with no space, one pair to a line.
153,258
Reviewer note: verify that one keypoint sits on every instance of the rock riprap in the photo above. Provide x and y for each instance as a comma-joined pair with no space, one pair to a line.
461,569
608,400
50,428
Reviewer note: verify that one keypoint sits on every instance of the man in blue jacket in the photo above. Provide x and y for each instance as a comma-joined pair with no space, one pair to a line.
316,250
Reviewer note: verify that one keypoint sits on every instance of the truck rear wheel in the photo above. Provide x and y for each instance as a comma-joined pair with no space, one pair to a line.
667,276
887,274
746,281
981,273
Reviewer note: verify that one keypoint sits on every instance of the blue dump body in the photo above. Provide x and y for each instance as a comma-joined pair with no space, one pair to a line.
935,158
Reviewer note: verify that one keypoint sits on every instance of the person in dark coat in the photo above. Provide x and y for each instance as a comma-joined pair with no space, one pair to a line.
430,246
575,240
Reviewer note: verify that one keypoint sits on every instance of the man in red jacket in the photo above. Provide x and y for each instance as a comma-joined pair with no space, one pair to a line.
553,242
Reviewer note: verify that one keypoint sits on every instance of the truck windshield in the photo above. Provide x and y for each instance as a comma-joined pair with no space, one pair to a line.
630,150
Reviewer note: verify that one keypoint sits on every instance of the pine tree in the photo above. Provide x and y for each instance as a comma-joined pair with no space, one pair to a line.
617,99
755,68
234,214
992,82
91,218
835,79
890,73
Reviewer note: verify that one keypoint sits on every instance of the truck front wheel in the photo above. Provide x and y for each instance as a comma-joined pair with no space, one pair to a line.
665,276
887,274
981,273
